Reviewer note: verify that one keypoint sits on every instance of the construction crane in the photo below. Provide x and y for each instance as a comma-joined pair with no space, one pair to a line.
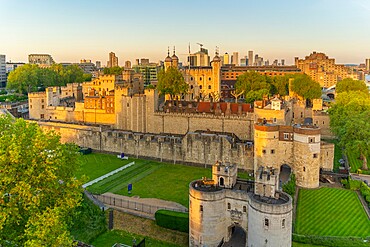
201,45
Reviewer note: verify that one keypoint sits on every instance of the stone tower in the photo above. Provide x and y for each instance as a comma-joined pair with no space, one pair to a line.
175,59
269,212
295,146
216,68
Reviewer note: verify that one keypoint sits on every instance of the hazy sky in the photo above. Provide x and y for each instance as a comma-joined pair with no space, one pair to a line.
71,30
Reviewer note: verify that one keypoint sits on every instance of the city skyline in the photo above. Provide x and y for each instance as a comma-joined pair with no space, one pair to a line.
70,31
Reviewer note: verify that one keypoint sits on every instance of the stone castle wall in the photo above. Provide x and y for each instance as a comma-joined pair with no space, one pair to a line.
194,148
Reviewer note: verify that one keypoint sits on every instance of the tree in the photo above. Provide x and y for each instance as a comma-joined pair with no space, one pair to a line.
38,190
349,120
252,96
171,82
31,78
280,85
349,84
116,70
305,87
24,79
251,81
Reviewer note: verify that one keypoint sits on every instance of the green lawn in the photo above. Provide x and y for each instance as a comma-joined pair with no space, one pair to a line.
295,244
167,182
331,212
150,179
109,238
355,163
95,165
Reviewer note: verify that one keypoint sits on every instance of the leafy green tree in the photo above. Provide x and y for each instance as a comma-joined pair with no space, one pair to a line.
251,81
71,73
87,77
116,70
252,96
349,120
280,85
349,84
305,87
171,82
38,188
24,79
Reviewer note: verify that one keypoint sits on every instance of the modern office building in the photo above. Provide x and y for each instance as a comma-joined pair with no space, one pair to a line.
250,58
2,71
226,58
87,66
148,70
113,60
235,59
200,58
43,60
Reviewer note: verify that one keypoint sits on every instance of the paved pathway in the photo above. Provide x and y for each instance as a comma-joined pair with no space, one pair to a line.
144,207
107,175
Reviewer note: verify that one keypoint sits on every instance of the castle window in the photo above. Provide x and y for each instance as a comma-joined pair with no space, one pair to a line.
244,209
263,151
267,223
42,106
228,205
274,119
272,151
200,87
191,78
222,182
30,106
209,87
286,136
209,78
200,78
311,139
323,122
301,114
191,86
42,116
304,168
283,223
315,156
42,101
201,208
128,105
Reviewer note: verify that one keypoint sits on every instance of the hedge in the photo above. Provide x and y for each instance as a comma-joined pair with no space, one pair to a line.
331,241
172,220
358,185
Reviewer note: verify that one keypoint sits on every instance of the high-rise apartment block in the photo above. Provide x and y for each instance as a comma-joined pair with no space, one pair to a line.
323,69
43,60
250,58
98,64
113,60
2,71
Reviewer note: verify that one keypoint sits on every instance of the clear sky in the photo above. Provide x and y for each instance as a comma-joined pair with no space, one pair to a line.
71,30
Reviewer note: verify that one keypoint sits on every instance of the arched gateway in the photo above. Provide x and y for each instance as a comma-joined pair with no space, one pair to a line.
241,212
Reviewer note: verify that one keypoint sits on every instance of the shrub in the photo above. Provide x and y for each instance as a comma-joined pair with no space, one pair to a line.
290,186
172,220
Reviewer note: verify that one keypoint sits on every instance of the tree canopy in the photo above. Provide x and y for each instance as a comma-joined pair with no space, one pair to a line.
305,87
171,82
349,120
38,189
31,78
253,84
116,70
349,84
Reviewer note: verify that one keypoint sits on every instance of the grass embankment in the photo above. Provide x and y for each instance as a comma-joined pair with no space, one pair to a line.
331,212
